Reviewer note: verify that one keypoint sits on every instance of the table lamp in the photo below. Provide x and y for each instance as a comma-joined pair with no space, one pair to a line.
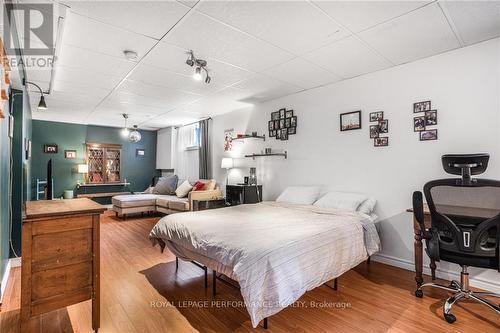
83,169
227,163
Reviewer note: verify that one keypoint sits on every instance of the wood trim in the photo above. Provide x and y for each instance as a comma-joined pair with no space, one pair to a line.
96,290
101,195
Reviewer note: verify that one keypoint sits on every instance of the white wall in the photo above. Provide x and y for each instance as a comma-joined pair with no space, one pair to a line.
463,86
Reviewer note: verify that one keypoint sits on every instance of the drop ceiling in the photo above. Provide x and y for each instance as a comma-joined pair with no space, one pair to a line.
256,51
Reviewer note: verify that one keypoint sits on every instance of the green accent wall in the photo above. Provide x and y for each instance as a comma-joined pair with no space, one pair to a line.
137,170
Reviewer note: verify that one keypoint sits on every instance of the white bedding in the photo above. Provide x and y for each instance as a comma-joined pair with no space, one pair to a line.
275,251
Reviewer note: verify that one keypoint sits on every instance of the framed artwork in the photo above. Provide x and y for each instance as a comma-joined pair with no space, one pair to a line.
292,130
271,125
429,135
50,148
275,115
282,123
284,134
288,122
383,126
419,124
70,154
228,139
431,118
421,106
374,131
376,116
381,141
282,113
350,121
293,121
289,114
140,152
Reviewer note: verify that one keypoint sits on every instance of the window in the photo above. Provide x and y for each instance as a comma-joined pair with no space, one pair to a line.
190,137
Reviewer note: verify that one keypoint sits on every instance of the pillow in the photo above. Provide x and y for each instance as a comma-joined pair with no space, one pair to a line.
166,185
341,200
183,189
199,186
149,190
305,195
367,206
209,184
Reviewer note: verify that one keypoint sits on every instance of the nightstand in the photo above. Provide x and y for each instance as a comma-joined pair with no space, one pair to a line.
208,204
243,194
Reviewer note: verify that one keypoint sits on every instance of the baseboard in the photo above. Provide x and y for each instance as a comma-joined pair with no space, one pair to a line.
477,282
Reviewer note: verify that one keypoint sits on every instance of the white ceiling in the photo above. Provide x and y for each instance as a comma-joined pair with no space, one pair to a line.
256,51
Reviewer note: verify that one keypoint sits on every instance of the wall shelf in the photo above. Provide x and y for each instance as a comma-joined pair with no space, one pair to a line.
284,154
103,184
249,136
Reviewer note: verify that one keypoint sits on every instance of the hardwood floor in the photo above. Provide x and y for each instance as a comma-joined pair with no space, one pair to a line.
142,292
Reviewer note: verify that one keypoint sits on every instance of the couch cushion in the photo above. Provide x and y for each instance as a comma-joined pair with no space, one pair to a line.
181,205
166,185
162,200
134,200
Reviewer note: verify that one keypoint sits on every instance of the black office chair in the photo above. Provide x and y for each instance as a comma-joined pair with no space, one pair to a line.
465,219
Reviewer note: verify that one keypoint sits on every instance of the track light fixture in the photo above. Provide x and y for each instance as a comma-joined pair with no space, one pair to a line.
200,65
41,104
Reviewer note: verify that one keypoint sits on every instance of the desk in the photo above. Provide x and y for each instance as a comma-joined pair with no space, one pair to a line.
418,249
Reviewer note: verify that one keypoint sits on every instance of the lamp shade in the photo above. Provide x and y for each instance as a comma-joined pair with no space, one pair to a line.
83,168
227,163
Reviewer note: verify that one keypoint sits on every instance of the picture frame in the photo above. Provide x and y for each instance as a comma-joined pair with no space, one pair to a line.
374,131
271,125
284,134
292,130
50,148
431,118
282,123
429,135
350,121
383,126
419,124
288,113
282,113
288,123
140,152
421,106
381,141
376,116
275,115
293,121
70,154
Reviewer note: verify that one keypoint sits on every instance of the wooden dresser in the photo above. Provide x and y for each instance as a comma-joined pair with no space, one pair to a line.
60,258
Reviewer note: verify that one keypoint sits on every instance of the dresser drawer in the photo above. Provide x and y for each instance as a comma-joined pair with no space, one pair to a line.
62,280
59,249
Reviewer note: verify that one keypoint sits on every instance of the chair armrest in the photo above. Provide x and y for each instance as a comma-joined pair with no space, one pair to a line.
203,195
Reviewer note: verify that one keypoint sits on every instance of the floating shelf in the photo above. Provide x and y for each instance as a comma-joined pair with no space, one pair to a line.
284,154
104,184
249,136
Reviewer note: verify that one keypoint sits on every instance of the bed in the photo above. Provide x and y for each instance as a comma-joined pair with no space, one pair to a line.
276,251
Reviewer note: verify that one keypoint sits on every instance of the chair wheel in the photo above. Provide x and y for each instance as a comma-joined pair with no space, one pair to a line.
419,293
450,318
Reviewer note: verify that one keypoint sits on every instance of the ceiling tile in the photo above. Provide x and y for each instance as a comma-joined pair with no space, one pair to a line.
296,26
475,20
261,88
421,33
91,78
348,58
97,63
172,118
302,73
212,39
66,117
149,18
78,88
99,37
360,15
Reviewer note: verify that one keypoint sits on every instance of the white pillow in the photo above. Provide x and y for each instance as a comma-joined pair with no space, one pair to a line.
367,206
341,200
305,195
183,189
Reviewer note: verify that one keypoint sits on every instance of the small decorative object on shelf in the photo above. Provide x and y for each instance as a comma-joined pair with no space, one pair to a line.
284,154
282,124
422,122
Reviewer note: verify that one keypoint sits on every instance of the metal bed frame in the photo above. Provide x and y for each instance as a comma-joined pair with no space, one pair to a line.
219,277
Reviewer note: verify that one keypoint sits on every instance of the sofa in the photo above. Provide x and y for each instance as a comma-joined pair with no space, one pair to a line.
164,203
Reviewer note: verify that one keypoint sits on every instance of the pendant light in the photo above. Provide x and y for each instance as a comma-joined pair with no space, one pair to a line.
135,135
125,131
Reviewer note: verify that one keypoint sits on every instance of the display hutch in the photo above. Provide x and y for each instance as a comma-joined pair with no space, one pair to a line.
104,161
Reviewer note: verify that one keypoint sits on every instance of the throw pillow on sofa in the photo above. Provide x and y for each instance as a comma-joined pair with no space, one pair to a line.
183,189
199,186
166,185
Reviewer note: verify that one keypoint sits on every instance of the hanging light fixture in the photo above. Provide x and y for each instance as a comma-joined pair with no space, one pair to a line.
41,104
200,65
135,135
125,131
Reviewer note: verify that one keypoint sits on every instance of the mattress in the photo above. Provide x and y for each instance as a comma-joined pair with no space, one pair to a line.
275,251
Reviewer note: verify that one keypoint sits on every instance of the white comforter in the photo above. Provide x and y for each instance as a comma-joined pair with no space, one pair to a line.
275,251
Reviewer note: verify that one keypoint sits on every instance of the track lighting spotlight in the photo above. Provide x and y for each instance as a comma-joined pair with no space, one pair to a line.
208,79
190,59
197,74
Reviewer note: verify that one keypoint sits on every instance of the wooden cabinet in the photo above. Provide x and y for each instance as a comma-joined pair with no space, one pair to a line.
60,261
104,161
